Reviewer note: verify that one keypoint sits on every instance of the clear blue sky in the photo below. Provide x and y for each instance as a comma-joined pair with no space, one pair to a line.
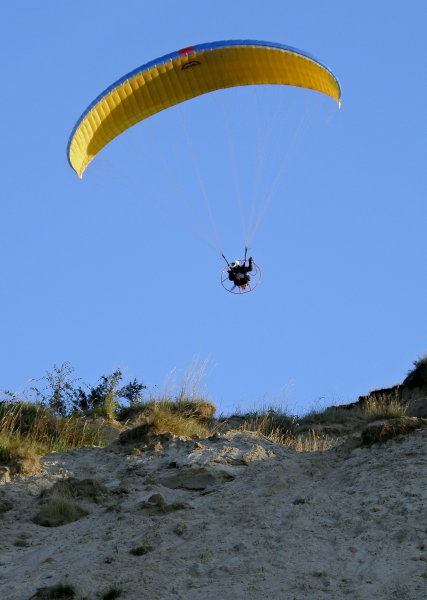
342,305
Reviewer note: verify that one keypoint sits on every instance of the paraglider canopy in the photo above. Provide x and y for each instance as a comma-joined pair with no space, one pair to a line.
185,74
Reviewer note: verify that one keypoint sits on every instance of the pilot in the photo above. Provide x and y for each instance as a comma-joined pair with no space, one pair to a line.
238,272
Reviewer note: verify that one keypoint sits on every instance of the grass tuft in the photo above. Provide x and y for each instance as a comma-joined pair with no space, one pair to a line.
384,408
268,421
111,594
59,511
199,410
378,434
281,428
167,418
20,455
55,592
332,415
29,431
311,441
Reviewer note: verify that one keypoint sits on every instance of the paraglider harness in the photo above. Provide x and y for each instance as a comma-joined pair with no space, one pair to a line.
238,271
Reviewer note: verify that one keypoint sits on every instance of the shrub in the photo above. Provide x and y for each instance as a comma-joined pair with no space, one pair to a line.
62,397
418,376
104,398
60,393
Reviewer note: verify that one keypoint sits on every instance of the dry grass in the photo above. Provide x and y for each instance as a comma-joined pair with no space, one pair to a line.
167,419
332,415
180,408
59,511
269,420
29,431
375,434
190,387
22,456
380,407
199,410
33,422
312,441
281,428
384,408
59,503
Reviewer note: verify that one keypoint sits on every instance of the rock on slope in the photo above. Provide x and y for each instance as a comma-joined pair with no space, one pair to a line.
231,517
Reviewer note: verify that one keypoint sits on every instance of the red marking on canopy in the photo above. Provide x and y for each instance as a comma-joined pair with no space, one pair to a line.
186,50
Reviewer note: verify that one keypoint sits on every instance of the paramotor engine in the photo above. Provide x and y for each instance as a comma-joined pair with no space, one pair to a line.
230,286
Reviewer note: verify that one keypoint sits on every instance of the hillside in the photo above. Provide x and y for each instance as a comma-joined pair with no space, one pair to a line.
233,516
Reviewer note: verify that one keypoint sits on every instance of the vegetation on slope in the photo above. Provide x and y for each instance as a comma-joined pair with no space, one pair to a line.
59,412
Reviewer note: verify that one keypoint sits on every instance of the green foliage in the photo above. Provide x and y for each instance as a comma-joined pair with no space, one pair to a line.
132,392
59,393
30,429
104,398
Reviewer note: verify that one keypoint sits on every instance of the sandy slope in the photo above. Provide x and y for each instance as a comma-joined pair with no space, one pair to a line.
241,518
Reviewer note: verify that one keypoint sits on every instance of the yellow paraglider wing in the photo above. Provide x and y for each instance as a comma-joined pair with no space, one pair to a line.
185,74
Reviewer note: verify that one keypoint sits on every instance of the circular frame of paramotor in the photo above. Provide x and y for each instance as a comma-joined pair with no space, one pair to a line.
254,282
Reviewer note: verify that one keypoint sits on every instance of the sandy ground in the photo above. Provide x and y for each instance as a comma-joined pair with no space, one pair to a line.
234,517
